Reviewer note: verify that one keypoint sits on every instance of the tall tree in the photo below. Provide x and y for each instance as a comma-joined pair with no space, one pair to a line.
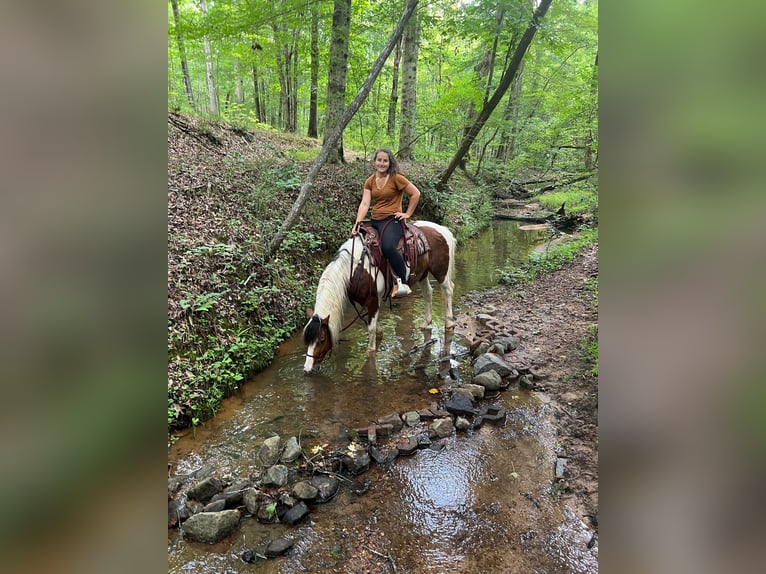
212,95
508,75
410,44
286,41
335,135
313,104
182,53
336,78
589,160
394,100
258,88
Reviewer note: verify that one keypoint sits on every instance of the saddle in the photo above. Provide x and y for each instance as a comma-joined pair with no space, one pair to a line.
412,245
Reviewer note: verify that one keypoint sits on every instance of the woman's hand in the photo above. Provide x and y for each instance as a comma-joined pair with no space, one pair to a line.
355,228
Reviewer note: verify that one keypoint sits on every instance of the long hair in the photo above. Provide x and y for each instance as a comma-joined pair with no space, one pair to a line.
393,165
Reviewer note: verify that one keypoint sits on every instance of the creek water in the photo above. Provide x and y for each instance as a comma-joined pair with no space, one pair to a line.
483,503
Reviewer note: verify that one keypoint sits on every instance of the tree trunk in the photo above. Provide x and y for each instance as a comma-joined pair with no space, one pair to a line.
394,100
506,150
336,79
409,88
337,130
182,53
212,96
313,130
505,82
588,159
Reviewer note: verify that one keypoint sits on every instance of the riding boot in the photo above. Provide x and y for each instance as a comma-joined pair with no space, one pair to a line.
400,289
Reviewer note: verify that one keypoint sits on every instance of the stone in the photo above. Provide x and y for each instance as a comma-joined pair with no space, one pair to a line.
233,494
490,380
296,513
383,457
459,404
269,453
205,489
278,547
480,349
356,463
493,414
412,418
211,527
394,420
477,391
276,475
327,487
465,392
496,348
215,506
462,424
491,362
250,500
561,464
407,448
442,427
509,343
291,451
304,490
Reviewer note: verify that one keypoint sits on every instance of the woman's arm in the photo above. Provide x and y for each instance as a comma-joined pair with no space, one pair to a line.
364,207
414,194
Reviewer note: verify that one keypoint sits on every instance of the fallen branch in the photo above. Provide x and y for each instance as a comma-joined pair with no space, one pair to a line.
386,556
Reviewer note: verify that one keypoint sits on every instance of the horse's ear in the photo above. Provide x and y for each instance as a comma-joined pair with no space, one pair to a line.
309,312
326,320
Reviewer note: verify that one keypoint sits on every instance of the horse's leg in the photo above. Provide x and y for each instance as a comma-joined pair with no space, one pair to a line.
448,289
372,334
428,296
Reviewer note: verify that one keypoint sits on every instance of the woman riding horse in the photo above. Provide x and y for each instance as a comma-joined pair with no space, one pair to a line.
387,188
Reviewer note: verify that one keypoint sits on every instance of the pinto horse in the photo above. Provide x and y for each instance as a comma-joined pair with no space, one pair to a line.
353,277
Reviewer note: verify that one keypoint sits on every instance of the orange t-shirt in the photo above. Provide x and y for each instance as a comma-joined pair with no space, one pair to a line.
387,200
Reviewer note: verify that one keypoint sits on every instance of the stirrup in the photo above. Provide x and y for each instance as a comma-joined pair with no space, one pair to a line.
400,290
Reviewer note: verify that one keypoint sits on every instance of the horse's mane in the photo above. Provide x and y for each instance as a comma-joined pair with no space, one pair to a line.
332,290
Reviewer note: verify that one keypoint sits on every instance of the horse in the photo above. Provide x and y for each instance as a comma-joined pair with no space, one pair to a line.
352,277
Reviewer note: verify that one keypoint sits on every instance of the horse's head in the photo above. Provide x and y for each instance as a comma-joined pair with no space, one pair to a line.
316,335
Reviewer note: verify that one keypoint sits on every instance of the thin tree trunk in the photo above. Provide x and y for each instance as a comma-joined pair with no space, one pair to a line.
212,96
394,100
336,132
506,150
505,82
313,130
409,89
336,77
588,159
182,53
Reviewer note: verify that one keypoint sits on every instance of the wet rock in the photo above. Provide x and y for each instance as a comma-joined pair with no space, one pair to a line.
233,494
291,451
459,404
215,506
250,556
250,500
438,445
480,349
383,457
491,362
267,512
269,453
205,489
561,464
407,448
496,348
462,391
423,440
394,420
327,487
490,380
426,415
412,418
484,318
305,490
276,475
492,413
174,484
526,382
296,513
442,427
211,527
278,547
509,343
356,462
477,391
462,424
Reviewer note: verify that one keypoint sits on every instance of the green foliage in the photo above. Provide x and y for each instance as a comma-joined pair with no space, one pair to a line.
589,349
579,198
546,261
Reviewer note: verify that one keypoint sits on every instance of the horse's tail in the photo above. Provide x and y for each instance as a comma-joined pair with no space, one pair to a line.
452,243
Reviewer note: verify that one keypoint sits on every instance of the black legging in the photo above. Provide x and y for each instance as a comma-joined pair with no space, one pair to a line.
390,232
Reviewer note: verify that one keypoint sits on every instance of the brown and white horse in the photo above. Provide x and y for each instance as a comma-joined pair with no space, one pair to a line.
352,277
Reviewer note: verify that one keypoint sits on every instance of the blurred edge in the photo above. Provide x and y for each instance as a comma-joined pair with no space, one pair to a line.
82,332
682,286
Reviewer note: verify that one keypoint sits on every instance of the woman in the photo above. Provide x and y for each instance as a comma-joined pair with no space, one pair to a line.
386,187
